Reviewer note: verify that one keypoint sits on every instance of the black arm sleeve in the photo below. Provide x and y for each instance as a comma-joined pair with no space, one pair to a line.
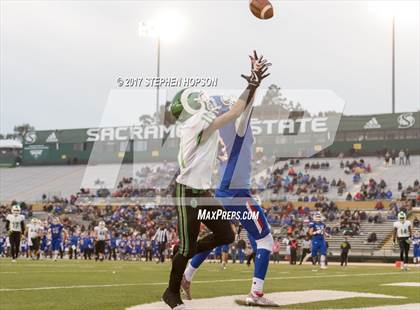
248,94
7,225
22,227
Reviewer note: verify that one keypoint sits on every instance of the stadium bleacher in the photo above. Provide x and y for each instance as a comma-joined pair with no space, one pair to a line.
30,184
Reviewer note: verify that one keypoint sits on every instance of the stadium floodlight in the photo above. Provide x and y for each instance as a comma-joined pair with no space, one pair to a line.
404,9
167,27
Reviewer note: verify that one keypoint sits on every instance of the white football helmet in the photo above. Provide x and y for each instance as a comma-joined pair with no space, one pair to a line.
317,217
402,216
102,224
16,209
34,220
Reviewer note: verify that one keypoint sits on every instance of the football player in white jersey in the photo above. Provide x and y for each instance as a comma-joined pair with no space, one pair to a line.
15,225
33,233
198,149
101,236
402,234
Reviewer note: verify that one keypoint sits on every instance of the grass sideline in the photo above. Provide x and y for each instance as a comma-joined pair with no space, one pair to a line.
115,285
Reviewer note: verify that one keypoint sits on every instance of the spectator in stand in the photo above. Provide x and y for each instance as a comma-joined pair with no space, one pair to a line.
416,222
407,157
372,238
356,178
276,250
377,219
394,157
379,205
387,158
401,157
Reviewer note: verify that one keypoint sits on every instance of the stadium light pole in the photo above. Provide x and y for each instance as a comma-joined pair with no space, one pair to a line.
148,29
393,64
404,10
167,27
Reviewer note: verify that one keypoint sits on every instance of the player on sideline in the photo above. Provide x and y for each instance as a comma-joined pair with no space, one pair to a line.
15,225
101,236
416,248
34,231
317,231
234,187
57,235
197,158
403,233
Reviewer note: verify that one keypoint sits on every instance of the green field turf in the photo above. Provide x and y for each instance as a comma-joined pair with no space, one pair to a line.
116,285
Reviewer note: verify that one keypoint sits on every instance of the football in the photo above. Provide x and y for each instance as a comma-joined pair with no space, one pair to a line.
261,9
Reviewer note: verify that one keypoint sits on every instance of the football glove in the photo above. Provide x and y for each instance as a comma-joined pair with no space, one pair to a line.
259,67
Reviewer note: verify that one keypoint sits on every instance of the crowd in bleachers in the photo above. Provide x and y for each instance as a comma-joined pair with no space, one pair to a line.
403,157
304,181
289,180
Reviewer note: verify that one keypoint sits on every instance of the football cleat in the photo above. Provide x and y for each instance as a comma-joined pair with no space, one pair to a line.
186,288
257,299
324,267
173,300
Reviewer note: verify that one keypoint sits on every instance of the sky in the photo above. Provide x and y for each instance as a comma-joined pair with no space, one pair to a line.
60,60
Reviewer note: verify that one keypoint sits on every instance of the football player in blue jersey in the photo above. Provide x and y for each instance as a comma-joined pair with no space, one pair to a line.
218,254
87,246
122,248
2,245
73,246
416,248
235,195
317,231
113,243
225,255
56,233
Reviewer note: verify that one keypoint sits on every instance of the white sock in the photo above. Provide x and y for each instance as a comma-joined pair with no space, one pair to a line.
257,285
189,272
323,260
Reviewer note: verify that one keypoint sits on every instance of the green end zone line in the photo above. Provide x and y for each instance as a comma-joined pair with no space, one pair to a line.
200,281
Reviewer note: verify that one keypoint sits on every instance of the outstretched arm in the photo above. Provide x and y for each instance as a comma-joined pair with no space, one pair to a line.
259,67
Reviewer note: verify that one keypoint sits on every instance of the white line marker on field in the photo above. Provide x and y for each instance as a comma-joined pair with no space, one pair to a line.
412,284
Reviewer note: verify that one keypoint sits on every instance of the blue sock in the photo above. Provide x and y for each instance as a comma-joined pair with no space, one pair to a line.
262,258
199,258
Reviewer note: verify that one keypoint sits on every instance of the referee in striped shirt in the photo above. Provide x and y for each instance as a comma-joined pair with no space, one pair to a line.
161,237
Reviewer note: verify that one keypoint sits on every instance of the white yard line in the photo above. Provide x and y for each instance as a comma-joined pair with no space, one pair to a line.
319,276
409,284
55,271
